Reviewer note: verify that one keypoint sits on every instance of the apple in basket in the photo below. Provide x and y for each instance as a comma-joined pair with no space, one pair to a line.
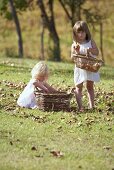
86,65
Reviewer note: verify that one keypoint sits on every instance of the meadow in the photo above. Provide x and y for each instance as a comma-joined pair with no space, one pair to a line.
37,140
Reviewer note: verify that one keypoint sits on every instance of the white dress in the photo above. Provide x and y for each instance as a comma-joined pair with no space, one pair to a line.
81,75
27,97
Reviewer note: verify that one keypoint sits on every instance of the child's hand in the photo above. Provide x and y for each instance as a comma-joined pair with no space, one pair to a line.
73,90
46,91
77,49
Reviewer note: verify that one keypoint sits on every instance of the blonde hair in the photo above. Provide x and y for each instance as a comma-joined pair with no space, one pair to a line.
81,26
40,70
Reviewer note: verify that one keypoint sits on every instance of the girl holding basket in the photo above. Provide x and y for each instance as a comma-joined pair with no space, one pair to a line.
83,44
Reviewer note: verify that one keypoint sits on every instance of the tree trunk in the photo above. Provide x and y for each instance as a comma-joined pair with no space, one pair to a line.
50,24
18,29
42,43
101,40
56,49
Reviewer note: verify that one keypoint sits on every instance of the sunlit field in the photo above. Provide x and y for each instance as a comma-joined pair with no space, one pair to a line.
34,139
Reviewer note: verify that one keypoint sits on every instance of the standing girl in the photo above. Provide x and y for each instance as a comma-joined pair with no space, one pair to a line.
40,74
83,44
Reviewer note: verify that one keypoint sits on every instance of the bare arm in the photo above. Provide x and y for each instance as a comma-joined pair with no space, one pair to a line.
94,50
72,51
50,88
75,49
41,86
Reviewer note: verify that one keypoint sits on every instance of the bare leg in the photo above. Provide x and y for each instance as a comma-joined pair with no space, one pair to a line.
78,93
90,90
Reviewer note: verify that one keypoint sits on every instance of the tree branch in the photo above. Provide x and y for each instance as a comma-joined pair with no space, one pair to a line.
44,14
66,11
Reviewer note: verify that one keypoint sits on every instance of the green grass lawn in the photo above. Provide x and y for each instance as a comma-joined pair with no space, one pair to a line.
37,140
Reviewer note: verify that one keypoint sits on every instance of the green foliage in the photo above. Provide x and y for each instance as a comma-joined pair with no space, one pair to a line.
3,5
73,3
8,15
19,5
73,9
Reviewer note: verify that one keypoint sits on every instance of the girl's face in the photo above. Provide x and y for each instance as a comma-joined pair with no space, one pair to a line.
81,36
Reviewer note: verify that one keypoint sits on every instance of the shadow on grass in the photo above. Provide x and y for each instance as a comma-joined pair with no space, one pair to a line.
6,67
22,69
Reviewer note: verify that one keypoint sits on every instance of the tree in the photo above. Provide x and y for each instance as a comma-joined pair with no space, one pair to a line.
72,9
42,40
49,21
15,6
18,29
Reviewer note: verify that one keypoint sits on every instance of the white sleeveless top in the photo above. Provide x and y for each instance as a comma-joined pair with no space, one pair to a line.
81,75
27,97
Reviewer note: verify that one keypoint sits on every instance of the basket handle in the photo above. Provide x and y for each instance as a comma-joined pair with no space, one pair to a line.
87,54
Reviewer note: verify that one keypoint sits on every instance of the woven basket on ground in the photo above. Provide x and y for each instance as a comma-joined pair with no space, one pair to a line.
87,62
53,102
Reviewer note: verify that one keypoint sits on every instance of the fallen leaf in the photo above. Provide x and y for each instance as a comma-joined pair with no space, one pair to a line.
57,153
11,143
107,147
33,148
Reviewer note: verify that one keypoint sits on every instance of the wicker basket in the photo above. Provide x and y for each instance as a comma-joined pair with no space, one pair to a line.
87,62
53,102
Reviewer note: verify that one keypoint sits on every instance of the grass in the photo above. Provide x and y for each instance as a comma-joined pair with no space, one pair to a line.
37,140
